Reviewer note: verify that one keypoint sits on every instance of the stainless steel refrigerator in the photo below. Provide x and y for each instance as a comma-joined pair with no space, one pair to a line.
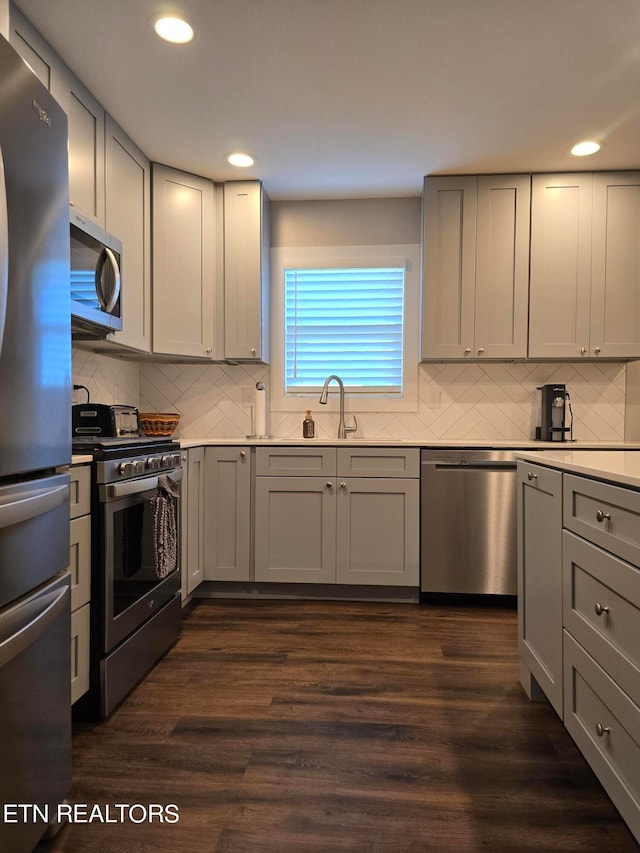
35,436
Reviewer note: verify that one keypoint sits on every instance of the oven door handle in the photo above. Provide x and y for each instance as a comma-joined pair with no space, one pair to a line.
112,491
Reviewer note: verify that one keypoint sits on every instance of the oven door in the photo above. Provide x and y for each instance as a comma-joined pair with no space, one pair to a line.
136,579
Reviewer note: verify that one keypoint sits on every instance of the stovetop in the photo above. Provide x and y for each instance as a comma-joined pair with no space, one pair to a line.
120,447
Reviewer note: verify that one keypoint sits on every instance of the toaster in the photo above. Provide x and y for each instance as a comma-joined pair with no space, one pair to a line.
99,419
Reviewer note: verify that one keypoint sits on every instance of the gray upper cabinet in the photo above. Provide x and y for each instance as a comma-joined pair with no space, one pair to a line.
475,266
615,265
585,266
246,271
128,215
86,143
183,263
35,51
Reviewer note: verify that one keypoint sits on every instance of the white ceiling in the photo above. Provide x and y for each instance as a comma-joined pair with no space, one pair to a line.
361,98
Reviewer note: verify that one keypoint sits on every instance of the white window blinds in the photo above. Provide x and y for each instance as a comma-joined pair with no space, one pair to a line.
347,321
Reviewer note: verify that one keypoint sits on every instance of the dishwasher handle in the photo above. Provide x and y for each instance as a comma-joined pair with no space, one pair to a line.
471,466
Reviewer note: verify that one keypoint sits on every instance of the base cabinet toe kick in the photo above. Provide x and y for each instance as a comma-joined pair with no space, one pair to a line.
579,618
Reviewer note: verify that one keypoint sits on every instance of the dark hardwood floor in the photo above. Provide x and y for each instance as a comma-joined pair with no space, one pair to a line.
287,727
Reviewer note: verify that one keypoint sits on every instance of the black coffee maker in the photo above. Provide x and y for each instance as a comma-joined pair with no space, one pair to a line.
554,417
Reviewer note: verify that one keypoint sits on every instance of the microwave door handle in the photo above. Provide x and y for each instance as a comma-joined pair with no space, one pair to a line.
107,305
116,278
4,252
102,299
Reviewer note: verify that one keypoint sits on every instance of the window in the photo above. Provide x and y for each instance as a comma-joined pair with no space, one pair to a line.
347,321
348,310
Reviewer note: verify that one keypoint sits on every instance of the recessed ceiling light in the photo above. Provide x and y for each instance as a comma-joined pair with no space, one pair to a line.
582,149
240,159
173,28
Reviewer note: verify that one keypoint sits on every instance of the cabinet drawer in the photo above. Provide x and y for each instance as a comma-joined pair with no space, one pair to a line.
605,725
80,490
607,515
80,623
296,462
378,462
601,603
80,561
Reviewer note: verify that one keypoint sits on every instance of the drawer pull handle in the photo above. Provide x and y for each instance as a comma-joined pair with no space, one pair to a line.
601,516
600,609
602,730
531,476
243,454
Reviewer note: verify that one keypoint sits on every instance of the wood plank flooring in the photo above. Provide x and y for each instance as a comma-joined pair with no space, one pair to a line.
313,727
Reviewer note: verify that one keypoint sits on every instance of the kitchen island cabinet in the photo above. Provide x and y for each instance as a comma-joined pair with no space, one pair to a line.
600,571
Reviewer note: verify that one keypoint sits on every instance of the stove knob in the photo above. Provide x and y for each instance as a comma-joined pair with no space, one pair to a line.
177,459
126,469
166,461
139,466
153,463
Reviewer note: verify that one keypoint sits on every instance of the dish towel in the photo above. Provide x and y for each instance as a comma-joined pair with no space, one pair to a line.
165,526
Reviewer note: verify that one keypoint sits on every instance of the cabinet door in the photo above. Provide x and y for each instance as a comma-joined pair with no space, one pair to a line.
540,578
80,638
128,217
227,520
560,276
502,266
80,560
195,520
184,525
295,530
449,241
35,51
615,272
246,270
378,532
183,263
86,143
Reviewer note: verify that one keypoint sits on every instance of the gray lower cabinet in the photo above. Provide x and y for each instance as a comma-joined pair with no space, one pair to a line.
295,530
378,532
316,524
540,581
227,520
80,569
193,520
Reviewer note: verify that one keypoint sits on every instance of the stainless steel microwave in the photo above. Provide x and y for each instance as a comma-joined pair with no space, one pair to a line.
96,283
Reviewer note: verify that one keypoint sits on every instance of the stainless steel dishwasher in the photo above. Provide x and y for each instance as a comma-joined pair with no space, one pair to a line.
468,509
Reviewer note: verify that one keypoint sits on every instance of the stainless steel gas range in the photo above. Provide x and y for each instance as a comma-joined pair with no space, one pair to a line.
135,597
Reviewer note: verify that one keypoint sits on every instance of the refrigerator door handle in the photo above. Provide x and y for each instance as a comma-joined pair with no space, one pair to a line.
33,618
36,503
4,251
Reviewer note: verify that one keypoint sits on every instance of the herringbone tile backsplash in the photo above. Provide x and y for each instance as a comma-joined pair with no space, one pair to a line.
477,401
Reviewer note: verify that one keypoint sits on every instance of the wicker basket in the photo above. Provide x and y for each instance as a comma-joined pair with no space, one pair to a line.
158,423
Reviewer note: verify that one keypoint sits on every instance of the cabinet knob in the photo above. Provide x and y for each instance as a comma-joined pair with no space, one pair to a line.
531,476
253,350
209,350
596,350
329,485
583,350
602,730
467,351
184,457
601,516
480,351
243,454
343,485
600,609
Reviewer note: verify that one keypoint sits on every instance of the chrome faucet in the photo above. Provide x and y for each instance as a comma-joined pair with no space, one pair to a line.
343,430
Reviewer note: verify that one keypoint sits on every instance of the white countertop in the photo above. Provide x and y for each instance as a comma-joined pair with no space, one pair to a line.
403,442
81,458
621,467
